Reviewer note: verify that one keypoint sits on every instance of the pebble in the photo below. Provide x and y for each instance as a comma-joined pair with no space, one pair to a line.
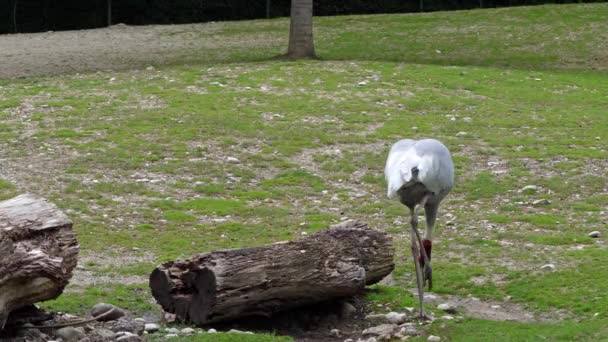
496,307
129,338
135,326
529,187
187,331
541,201
172,331
594,234
396,317
447,317
549,267
104,334
447,307
101,308
433,338
234,331
381,330
409,330
335,333
151,327
70,334
233,160
212,331
348,310
169,336
461,134
375,317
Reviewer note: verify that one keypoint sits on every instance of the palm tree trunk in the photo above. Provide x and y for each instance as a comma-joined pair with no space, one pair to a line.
301,43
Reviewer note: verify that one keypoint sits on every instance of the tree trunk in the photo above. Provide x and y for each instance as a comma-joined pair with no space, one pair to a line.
38,251
229,284
109,12
301,43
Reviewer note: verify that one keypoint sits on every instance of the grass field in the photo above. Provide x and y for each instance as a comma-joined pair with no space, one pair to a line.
231,150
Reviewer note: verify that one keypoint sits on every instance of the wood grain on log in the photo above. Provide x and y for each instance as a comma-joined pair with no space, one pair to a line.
38,251
228,284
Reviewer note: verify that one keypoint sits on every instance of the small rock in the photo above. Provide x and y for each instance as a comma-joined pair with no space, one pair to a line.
548,267
235,331
233,160
129,338
433,338
172,331
347,310
541,202
461,134
169,336
69,334
594,234
447,307
447,317
104,334
131,325
101,308
187,331
396,317
151,327
532,188
496,307
212,331
381,330
375,317
409,330
371,339
349,340
430,297
335,333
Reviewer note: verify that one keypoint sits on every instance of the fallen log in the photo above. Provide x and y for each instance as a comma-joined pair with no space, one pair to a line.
38,251
261,281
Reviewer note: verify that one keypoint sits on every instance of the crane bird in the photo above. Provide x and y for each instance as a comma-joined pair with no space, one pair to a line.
420,173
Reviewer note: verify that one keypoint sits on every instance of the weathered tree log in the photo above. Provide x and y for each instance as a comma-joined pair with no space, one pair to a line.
235,283
38,251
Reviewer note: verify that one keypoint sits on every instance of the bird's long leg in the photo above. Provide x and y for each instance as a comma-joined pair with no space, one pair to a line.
426,273
415,254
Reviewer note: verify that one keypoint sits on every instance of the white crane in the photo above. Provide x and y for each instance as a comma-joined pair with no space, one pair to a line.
420,173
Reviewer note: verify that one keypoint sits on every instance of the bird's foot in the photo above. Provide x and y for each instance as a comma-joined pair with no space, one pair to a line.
424,317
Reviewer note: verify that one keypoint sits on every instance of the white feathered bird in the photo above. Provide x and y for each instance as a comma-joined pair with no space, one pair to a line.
420,173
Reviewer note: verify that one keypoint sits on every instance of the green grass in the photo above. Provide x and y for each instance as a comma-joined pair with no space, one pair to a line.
140,163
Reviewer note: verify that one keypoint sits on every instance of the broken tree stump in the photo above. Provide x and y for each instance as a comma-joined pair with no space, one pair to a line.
260,281
38,251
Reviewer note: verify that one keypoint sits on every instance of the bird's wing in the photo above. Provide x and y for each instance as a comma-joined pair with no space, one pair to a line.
396,170
429,156
436,166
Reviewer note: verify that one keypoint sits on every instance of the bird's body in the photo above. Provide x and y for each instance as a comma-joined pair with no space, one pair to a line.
420,173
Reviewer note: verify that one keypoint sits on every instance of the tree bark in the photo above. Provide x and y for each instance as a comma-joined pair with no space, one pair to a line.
260,281
301,44
38,251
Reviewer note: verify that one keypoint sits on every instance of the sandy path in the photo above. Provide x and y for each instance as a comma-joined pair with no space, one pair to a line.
117,47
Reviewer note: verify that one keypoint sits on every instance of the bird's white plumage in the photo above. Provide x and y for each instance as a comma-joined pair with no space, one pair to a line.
431,157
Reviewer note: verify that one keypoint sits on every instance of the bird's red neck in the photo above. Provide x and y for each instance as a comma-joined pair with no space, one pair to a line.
428,246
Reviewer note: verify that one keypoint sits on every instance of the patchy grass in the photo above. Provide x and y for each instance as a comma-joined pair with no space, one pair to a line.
162,163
